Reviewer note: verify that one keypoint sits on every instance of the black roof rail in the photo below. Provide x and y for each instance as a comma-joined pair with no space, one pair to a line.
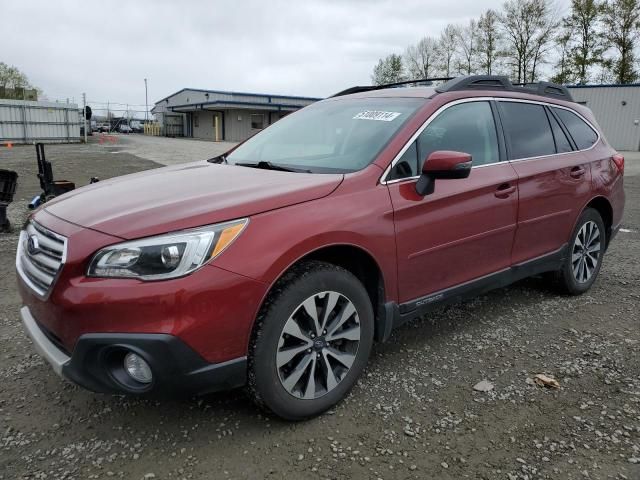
477,82
501,82
480,82
547,89
368,88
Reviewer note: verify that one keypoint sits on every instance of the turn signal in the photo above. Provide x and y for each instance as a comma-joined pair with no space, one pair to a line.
227,236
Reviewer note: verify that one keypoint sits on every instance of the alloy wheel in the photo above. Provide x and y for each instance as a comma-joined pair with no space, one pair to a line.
318,345
586,252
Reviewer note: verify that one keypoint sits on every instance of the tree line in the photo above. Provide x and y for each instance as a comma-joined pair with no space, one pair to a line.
528,40
11,77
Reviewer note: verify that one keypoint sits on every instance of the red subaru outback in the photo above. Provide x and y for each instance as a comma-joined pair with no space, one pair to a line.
278,265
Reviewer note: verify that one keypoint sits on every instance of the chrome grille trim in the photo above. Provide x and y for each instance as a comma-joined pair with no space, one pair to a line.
40,269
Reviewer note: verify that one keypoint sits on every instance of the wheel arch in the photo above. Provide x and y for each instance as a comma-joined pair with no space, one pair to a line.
603,207
355,259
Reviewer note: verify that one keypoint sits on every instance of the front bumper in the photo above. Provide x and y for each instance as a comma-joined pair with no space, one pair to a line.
97,362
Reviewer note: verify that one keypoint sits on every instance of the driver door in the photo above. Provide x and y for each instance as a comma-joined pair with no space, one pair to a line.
465,229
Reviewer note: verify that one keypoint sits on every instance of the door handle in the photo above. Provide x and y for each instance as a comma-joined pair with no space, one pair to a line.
504,190
577,172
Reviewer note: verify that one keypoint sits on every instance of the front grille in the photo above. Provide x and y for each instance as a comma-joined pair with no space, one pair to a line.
40,257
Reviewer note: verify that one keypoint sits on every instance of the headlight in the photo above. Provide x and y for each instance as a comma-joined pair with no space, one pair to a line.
165,256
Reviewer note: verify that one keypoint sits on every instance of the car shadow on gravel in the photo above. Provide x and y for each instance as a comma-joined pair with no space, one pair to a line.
439,325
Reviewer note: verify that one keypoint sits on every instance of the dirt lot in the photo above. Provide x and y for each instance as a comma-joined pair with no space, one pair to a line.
414,414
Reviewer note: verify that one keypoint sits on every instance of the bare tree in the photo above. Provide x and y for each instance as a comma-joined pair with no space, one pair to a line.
583,23
467,42
527,25
518,27
548,22
448,46
488,41
622,20
388,70
421,58
11,77
564,72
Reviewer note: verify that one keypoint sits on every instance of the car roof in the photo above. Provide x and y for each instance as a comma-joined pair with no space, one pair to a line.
465,86
430,93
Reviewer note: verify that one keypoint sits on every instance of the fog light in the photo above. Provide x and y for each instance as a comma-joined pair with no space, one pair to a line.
137,368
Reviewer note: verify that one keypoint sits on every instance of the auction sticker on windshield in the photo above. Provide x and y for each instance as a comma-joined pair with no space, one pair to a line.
377,115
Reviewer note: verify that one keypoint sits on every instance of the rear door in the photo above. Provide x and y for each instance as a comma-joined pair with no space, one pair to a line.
465,229
554,178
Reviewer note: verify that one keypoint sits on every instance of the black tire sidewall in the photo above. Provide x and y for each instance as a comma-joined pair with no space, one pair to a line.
266,383
570,283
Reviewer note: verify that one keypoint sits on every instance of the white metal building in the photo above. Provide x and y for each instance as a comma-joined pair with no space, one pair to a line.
617,110
232,116
24,121
222,116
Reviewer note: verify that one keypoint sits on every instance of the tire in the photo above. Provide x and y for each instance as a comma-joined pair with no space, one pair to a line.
576,277
284,328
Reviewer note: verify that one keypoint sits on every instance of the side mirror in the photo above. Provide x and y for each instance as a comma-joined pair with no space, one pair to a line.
443,164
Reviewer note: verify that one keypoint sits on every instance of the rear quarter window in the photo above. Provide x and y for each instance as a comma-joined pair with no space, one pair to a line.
583,135
562,142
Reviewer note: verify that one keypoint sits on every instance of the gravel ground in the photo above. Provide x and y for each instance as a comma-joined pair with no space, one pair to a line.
169,151
414,414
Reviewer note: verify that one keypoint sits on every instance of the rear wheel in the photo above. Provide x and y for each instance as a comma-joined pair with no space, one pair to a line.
586,250
312,341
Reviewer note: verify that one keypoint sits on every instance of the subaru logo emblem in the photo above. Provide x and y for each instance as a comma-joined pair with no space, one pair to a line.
33,246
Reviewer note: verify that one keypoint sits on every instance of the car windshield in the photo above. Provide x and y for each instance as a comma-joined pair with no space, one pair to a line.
335,136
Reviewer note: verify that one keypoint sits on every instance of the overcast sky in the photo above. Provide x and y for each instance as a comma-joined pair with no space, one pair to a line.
303,47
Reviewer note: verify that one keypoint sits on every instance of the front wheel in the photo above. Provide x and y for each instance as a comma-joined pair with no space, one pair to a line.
311,342
586,250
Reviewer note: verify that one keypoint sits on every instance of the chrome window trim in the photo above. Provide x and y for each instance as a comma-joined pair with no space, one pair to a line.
553,105
383,178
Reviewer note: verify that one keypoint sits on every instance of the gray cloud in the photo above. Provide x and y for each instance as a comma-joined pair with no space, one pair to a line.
311,48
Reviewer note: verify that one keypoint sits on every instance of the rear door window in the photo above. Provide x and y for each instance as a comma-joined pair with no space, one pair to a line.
527,129
563,144
582,134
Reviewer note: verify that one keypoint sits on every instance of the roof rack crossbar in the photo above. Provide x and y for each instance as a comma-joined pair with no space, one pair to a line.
368,88
547,89
480,82
475,82
500,82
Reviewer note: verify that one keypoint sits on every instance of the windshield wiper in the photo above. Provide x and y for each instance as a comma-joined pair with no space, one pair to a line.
272,166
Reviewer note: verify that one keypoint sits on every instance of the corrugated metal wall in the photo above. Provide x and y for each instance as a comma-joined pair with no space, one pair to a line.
617,110
194,97
26,122
238,123
235,110
203,125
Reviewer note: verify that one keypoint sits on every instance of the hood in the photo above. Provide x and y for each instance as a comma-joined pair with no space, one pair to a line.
185,196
